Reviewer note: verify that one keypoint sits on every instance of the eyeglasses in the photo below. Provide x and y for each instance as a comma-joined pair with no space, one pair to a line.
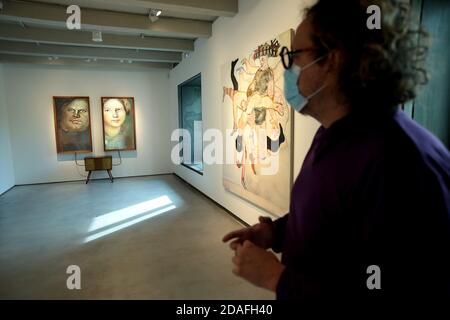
287,56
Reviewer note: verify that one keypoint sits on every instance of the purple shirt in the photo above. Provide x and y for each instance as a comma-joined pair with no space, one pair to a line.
369,193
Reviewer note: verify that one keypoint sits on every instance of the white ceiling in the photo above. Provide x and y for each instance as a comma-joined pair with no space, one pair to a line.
131,7
35,31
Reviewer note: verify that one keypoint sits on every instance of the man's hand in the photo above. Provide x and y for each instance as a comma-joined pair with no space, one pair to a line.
260,234
257,266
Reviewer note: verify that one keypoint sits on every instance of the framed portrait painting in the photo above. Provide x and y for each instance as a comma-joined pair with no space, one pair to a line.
72,124
119,131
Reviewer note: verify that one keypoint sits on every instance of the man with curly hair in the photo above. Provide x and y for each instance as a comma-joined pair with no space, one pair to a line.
370,210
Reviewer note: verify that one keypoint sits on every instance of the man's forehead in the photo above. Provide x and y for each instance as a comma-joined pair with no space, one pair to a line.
78,104
303,33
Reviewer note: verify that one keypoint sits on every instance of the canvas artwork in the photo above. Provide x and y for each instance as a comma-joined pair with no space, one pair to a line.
258,120
119,132
72,124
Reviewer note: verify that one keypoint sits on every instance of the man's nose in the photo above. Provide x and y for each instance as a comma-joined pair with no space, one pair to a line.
76,114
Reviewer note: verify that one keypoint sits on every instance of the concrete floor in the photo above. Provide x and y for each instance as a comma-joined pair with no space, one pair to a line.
177,254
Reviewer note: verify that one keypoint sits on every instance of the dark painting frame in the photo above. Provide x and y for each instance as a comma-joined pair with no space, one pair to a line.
125,140
69,132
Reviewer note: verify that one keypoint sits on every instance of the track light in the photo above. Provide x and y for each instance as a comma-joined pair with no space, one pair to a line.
154,14
97,36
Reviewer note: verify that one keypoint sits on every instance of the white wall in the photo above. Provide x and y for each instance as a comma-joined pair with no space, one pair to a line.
30,89
6,163
257,22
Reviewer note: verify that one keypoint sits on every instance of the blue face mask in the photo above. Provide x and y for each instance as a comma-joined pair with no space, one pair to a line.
291,90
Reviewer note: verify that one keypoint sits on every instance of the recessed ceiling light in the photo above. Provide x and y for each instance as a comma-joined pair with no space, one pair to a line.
154,14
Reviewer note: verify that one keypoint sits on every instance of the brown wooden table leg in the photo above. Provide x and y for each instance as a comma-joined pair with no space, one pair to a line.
110,176
88,177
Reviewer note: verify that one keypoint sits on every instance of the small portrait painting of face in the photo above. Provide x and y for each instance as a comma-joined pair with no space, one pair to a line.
72,124
119,130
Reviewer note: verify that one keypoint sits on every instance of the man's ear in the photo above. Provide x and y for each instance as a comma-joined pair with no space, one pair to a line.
334,61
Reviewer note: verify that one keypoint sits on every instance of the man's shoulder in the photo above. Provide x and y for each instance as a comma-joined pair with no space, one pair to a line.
420,139
417,147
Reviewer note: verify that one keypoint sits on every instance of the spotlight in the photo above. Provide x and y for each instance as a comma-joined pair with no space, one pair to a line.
154,14
97,36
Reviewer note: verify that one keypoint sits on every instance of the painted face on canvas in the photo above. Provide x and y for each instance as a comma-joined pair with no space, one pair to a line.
264,60
75,117
114,113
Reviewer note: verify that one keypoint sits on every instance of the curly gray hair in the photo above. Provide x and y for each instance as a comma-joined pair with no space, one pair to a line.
382,68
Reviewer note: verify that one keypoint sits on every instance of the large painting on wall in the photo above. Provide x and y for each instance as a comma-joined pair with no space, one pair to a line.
119,132
258,121
72,124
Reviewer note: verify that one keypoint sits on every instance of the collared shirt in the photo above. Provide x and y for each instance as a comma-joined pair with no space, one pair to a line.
369,194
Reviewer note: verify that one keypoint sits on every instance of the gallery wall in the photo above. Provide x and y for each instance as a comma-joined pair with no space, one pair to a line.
6,163
30,89
257,22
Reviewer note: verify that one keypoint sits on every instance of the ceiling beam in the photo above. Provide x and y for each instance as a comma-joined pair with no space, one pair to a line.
219,8
47,50
116,22
84,38
108,64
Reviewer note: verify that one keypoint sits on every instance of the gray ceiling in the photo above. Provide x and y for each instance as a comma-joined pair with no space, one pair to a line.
36,32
